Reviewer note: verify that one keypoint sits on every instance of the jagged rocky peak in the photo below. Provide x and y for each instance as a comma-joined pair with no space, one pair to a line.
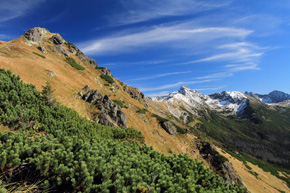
35,34
44,39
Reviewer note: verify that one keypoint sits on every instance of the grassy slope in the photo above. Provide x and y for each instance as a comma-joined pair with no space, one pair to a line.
19,58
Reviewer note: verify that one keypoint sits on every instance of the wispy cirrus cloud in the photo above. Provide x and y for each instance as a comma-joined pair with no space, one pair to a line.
140,11
216,75
11,9
159,75
186,34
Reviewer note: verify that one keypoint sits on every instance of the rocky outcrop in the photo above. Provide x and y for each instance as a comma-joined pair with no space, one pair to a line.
135,93
34,35
168,127
106,71
109,112
57,39
219,163
93,62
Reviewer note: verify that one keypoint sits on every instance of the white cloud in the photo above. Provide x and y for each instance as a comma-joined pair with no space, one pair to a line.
160,75
216,75
179,36
11,9
174,85
140,11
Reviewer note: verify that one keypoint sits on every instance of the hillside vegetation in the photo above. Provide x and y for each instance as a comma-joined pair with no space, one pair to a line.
52,146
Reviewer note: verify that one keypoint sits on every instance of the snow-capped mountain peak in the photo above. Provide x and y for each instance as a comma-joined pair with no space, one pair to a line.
273,97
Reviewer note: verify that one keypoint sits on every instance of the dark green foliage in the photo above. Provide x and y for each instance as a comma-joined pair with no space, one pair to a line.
107,78
102,165
118,102
126,107
73,63
72,154
106,84
42,56
142,111
160,119
100,68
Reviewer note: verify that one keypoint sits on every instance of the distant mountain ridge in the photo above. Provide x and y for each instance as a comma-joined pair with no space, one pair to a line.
227,102
273,97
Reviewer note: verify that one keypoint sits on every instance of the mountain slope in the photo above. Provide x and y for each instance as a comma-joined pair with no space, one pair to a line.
42,59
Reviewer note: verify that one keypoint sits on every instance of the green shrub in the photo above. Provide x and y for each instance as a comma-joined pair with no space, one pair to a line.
107,78
100,68
141,111
118,102
73,63
106,84
42,56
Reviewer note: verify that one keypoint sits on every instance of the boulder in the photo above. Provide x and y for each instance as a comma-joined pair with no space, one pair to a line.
93,62
169,128
135,93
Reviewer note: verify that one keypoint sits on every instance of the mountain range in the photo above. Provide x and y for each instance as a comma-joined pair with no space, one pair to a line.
240,136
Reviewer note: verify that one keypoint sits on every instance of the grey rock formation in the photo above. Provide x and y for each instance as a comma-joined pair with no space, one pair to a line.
230,175
61,50
109,112
135,93
106,71
34,35
56,39
93,62
169,128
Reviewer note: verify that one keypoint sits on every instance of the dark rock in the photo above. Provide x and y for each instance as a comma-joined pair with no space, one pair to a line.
42,49
219,163
93,62
109,112
57,39
169,128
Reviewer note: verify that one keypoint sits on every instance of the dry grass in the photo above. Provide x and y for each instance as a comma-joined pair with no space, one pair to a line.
265,182
19,58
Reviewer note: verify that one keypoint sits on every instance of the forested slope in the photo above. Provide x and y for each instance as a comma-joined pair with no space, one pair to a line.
51,148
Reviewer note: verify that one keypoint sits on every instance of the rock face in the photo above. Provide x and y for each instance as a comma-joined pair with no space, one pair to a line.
93,62
273,97
55,43
109,112
35,35
106,71
219,163
135,93
169,128
57,39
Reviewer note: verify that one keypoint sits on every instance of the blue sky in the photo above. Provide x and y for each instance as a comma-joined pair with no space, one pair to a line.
160,45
